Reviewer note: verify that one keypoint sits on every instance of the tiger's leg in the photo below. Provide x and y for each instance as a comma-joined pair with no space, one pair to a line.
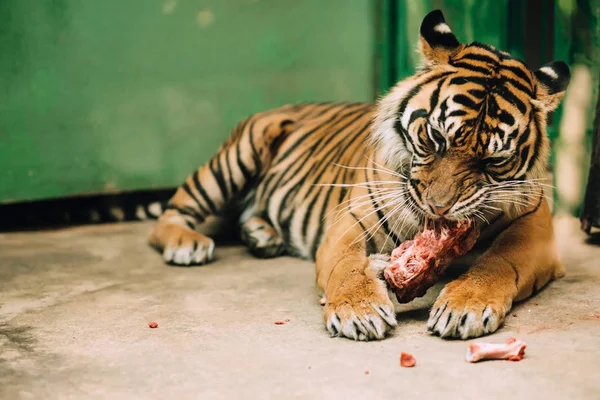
357,301
521,260
261,238
213,187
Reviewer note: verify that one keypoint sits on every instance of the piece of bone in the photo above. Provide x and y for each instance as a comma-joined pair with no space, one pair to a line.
512,350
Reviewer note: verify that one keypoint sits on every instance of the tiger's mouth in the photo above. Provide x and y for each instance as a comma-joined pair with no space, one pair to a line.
426,216
456,212
442,224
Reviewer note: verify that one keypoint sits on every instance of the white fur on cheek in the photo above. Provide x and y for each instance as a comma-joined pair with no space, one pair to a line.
389,145
384,137
406,116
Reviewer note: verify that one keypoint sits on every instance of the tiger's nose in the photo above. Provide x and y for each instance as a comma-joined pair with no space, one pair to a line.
439,209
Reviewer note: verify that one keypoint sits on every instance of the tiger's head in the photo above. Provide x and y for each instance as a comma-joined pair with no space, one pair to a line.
468,129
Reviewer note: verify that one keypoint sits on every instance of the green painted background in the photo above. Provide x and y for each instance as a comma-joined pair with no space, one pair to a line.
109,95
121,95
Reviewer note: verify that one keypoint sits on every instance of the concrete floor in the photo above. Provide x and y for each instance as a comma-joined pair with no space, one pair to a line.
75,303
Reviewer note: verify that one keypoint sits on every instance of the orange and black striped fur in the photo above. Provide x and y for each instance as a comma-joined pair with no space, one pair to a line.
343,184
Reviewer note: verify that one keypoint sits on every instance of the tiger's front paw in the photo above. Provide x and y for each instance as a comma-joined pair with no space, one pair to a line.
184,246
464,310
360,309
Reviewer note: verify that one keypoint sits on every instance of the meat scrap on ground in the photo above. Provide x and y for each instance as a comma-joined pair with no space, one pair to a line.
417,264
407,360
512,350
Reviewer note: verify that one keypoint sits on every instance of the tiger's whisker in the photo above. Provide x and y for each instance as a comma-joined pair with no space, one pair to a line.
371,169
360,221
353,206
382,221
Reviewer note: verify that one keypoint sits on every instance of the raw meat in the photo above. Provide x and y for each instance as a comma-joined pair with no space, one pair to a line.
512,350
416,265
152,324
407,360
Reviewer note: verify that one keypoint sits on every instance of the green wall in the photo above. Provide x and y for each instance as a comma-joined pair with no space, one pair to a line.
119,95
122,95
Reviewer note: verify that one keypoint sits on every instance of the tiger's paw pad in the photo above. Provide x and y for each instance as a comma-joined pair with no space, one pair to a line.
261,238
465,315
189,248
361,321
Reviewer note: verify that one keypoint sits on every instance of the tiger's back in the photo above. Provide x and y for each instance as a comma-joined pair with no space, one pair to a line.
312,161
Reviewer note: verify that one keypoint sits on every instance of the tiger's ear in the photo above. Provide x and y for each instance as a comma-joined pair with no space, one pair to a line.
552,81
437,41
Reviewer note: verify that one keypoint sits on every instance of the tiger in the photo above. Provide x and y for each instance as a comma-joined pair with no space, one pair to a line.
343,184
